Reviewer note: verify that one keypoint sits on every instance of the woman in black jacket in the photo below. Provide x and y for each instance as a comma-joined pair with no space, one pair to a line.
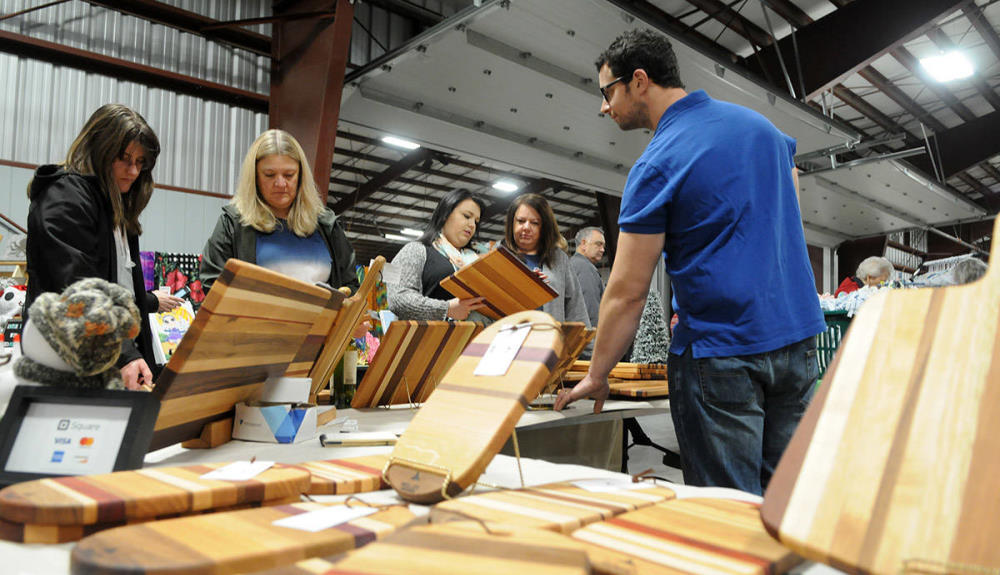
83,221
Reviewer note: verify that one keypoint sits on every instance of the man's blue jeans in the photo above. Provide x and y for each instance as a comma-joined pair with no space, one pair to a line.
734,415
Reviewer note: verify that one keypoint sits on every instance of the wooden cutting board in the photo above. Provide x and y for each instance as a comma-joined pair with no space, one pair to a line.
221,543
467,419
640,389
62,509
505,283
410,361
348,475
251,326
457,547
335,343
561,507
623,370
716,536
576,336
897,458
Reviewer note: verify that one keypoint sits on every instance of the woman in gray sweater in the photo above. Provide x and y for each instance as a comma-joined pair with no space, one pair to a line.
532,233
446,245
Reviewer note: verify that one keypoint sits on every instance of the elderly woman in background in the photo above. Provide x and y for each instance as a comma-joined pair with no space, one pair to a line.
871,272
445,246
83,221
532,233
277,220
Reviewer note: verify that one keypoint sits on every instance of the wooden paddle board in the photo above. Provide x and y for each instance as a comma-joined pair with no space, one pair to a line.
60,509
505,283
717,536
348,475
221,543
467,419
895,463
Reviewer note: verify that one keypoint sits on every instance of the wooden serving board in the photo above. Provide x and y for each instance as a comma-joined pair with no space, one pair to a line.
220,543
561,507
507,285
335,343
640,389
63,509
896,459
348,475
715,536
410,361
576,336
252,325
456,547
628,370
467,419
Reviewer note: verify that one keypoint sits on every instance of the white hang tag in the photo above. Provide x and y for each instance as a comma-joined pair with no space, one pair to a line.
239,471
502,350
391,274
321,519
611,484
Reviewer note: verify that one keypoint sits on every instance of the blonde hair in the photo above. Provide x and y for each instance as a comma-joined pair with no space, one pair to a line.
103,139
303,216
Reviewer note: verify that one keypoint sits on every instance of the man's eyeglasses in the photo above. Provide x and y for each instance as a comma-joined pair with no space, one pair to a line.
604,88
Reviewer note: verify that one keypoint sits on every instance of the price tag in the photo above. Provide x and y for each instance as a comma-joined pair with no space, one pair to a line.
502,350
610,484
321,519
239,471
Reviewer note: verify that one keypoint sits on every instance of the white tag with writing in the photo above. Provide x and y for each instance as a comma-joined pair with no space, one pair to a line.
502,350
239,471
321,519
611,484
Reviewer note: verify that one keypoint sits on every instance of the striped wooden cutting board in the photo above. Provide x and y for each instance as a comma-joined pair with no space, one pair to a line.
348,475
562,507
507,285
704,536
221,543
467,419
340,333
640,389
895,462
62,509
252,325
410,361
576,336
457,547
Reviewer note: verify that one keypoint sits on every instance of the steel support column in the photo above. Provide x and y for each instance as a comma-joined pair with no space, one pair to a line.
309,58
608,209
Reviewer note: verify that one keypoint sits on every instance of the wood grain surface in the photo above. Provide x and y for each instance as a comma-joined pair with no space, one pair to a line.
507,285
467,419
561,507
221,543
896,461
624,370
348,475
639,389
410,361
703,536
452,548
251,326
576,336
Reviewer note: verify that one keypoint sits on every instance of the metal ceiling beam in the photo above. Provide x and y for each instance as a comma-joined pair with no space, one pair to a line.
668,23
884,85
500,205
983,26
965,145
409,181
861,31
861,105
732,19
190,22
408,10
384,177
904,57
61,55
944,43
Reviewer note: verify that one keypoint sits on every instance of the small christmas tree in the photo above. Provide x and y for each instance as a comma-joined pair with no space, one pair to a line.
652,341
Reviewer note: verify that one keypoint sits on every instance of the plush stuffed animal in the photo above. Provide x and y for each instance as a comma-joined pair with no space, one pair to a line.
11,302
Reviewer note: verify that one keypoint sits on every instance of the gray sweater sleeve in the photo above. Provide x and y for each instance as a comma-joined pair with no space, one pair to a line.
406,298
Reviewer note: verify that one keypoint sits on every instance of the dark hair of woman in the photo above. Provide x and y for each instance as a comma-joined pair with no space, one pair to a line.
549,238
444,209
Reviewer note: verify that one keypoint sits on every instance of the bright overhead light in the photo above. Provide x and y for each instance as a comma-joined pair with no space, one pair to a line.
506,186
400,143
411,232
948,67
396,238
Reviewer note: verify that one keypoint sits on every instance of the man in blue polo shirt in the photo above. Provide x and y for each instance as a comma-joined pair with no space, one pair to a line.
715,195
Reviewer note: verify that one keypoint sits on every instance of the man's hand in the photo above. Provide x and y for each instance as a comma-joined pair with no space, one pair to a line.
136,375
596,389
459,308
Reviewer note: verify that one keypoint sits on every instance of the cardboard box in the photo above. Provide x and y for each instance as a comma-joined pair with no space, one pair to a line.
275,422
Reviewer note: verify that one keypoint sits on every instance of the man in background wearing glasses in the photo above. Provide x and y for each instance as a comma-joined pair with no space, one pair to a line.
715,192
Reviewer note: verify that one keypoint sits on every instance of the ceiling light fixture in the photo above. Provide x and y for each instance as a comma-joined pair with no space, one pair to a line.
506,186
397,238
948,67
400,143
411,232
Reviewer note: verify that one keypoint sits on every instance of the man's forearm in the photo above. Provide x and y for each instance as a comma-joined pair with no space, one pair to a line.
616,328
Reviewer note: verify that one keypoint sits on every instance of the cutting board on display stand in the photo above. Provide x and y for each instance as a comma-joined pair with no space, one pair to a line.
505,283
223,543
895,465
718,536
465,422
60,509
251,326
410,361
576,336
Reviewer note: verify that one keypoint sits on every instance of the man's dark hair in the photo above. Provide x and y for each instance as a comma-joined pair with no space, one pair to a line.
644,49
445,207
